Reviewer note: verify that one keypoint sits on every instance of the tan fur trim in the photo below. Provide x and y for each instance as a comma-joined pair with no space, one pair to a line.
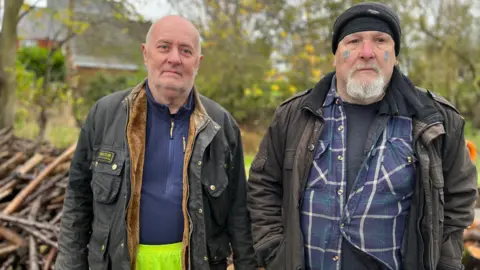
136,130
186,189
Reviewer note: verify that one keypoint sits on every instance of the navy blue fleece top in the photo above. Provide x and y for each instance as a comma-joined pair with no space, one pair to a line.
161,217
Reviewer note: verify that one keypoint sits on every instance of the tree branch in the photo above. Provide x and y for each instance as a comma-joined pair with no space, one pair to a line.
462,57
30,8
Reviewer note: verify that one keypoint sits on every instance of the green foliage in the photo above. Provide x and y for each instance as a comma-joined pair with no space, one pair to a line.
103,84
35,59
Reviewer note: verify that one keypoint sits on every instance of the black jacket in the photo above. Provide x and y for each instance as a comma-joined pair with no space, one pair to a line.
99,227
445,190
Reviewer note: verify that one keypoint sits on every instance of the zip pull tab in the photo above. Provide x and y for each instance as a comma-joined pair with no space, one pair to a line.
171,129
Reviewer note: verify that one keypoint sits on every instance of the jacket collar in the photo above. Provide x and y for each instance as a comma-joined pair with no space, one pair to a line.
401,99
163,111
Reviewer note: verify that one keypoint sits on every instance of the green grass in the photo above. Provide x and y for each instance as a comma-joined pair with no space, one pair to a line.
248,158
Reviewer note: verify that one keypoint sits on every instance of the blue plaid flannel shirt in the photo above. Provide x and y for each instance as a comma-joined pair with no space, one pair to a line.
373,217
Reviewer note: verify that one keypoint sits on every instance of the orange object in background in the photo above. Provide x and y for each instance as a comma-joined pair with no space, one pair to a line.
472,149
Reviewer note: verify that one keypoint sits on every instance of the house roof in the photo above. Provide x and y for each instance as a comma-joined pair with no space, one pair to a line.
108,42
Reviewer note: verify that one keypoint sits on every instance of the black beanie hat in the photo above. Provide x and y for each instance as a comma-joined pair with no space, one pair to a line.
368,9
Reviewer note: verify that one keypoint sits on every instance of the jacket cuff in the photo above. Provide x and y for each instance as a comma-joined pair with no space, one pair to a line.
265,252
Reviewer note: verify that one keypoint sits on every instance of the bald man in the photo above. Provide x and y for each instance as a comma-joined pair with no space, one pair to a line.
157,180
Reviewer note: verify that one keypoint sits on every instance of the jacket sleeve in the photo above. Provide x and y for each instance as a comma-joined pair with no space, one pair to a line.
239,224
77,207
265,194
460,193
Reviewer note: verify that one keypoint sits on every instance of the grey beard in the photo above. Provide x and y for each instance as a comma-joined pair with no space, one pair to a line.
365,91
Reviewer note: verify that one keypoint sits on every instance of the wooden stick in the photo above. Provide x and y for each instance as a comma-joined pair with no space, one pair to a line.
17,158
6,130
4,154
6,137
33,244
26,222
49,260
17,201
12,236
58,199
8,262
54,206
5,192
8,249
30,164
37,234
56,218
7,180
51,183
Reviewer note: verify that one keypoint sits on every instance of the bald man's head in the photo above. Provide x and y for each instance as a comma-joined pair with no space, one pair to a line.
174,20
172,56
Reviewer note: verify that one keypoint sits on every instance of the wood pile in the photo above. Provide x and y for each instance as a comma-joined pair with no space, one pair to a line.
33,179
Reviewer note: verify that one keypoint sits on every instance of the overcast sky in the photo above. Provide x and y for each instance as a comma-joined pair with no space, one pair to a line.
150,9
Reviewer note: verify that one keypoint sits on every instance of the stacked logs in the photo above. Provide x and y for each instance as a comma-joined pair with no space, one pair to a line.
33,179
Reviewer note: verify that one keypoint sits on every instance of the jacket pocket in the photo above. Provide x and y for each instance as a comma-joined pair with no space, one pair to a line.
97,248
216,197
278,261
106,177
218,250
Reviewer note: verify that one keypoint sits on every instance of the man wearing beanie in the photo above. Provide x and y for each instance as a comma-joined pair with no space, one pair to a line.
364,170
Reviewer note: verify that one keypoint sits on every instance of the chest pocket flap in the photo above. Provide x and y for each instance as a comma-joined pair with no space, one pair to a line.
107,167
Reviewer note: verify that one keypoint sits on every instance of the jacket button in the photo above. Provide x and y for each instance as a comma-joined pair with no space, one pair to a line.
212,187
96,163
103,247
311,147
199,163
114,167
205,258
121,245
200,211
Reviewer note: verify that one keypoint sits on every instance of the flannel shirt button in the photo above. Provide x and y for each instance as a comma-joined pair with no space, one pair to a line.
311,147
340,192
337,101
340,128
340,157
342,225
409,159
336,258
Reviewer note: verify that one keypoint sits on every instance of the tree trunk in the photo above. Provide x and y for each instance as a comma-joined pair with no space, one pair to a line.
8,42
44,102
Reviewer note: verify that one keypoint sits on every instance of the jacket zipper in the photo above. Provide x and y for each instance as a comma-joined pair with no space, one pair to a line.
171,154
